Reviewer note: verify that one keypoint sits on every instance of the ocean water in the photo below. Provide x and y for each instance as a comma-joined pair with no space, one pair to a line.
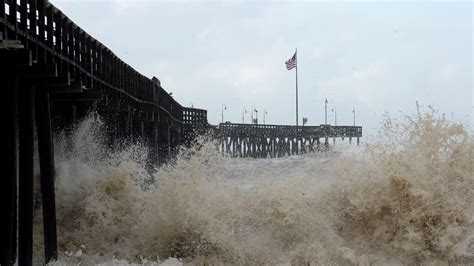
405,199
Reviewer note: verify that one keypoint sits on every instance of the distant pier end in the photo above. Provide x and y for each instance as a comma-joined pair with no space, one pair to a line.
262,141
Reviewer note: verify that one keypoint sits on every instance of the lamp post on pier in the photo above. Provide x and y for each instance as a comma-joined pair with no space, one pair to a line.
264,113
335,123
354,112
256,116
335,115
326,111
244,111
251,114
224,107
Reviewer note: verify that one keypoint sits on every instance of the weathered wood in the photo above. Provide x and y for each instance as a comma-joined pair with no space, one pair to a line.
8,183
46,158
26,171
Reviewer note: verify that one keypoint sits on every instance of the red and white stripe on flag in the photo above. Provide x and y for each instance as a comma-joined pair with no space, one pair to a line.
291,63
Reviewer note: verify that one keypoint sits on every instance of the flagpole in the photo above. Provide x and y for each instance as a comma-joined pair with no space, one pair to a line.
296,52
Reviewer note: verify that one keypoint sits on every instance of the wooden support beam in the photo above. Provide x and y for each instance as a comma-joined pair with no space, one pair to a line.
8,183
46,158
26,171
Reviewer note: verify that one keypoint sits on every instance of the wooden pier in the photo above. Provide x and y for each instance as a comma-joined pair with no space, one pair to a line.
52,73
262,141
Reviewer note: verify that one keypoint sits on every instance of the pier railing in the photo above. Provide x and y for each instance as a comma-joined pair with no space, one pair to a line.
235,129
78,61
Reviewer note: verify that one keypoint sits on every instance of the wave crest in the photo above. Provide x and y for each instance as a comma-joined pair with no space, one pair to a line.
404,199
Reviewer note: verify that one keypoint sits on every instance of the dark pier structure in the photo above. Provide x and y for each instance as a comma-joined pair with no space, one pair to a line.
52,73
263,141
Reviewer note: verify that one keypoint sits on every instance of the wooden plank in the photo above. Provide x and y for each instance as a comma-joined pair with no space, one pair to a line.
3,20
12,19
65,35
40,20
70,41
33,46
58,31
41,55
94,56
23,16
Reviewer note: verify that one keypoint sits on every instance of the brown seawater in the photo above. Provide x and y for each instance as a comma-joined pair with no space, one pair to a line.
406,199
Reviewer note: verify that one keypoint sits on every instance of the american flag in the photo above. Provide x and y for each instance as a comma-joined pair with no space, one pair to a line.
291,63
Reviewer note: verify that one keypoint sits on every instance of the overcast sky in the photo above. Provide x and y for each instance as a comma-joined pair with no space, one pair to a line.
374,57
